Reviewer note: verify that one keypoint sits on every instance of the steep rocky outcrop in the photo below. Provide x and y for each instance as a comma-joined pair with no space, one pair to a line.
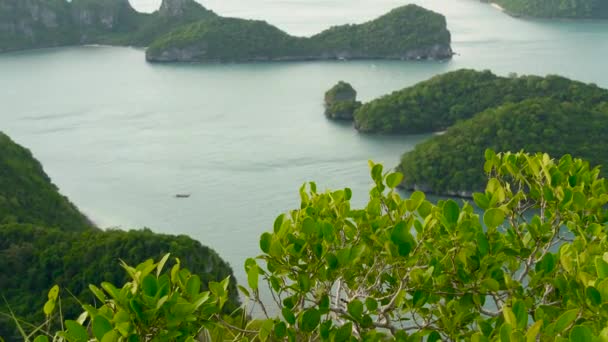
26,24
341,102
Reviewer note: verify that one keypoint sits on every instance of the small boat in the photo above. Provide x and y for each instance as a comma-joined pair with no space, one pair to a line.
182,196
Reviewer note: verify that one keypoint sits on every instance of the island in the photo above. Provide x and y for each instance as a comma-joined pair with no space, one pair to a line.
405,33
438,103
341,102
569,9
453,163
45,240
185,31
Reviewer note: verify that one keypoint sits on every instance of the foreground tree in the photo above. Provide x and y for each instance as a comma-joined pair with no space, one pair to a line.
532,267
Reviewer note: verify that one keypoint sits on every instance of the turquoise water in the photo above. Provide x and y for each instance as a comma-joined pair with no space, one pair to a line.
121,137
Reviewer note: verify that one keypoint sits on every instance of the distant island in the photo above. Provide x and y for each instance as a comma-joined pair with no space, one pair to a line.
453,163
470,111
571,9
438,103
405,33
45,240
185,31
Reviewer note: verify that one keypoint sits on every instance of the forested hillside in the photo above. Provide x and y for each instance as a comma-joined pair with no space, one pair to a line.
438,103
45,240
407,32
27,194
453,163
573,9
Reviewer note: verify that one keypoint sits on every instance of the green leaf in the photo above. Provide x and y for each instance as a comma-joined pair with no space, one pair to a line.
266,329
434,337
581,333
493,217
289,316
602,268
265,241
344,332
594,296
509,316
451,211
309,226
149,286
76,332
481,200
355,309
98,293
41,338
193,286
100,327
49,307
490,285
253,277
521,314
394,179
477,337
565,320
533,331
377,173
53,293
161,264
482,244
371,304
278,222
111,336
505,332
310,320
280,330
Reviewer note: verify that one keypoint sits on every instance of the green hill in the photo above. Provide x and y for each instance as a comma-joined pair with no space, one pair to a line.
408,32
572,9
452,163
438,103
27,195
45,240
33,259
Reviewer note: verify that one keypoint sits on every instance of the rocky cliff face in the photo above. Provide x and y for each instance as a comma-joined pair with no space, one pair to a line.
31,22
107,15
174,8
341,102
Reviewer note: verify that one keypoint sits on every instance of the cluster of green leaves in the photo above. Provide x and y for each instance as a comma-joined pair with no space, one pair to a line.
410,270
556,8
48,23
32,259
406,32
27,195
341,101
152,306
452,163
438,103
